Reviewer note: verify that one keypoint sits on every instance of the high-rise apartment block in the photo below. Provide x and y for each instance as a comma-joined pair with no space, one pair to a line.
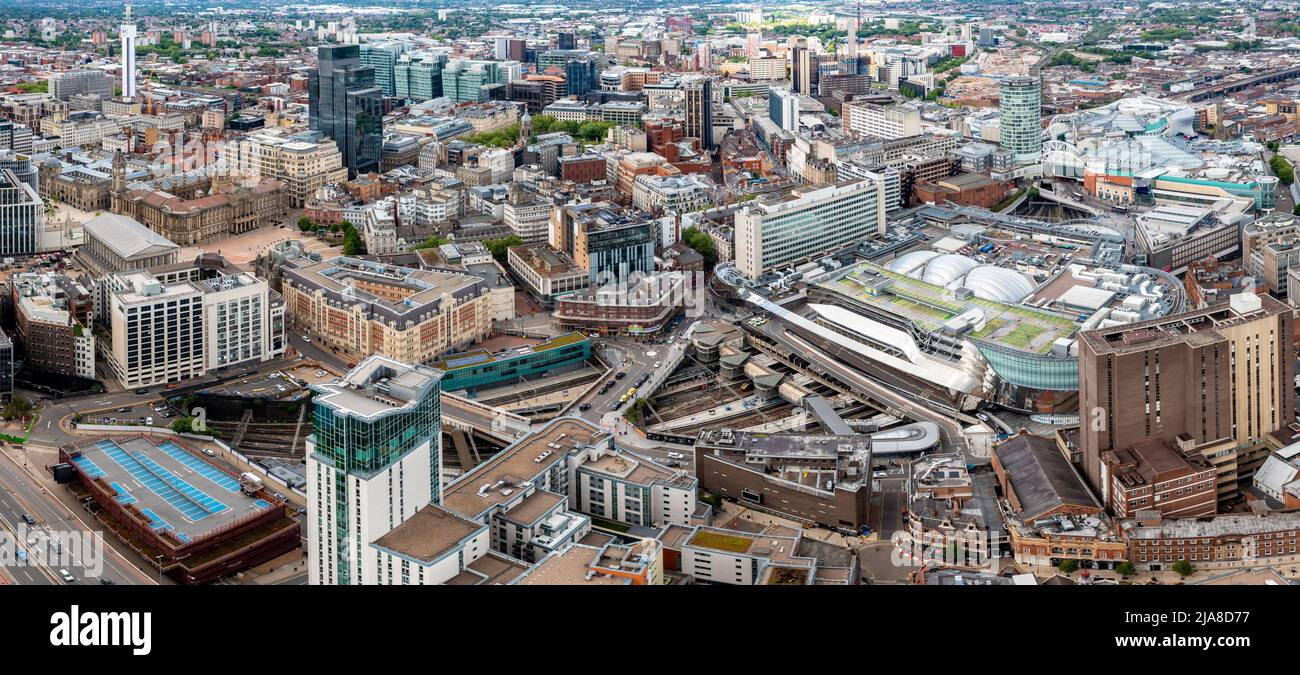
374,459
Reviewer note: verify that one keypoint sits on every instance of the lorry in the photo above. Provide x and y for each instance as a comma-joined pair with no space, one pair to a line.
250,483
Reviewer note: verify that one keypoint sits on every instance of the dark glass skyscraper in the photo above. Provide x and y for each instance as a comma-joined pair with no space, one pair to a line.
347,106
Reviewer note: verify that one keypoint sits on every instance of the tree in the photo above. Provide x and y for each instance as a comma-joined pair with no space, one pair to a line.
1126,569
500,247
352,244
305,224
433,241
183,425
18,407
702,243
1183,568
1068,566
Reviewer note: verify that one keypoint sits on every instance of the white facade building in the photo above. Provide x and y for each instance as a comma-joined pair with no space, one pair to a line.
808,224
373,461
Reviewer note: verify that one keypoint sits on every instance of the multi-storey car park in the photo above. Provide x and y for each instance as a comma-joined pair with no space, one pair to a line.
194,520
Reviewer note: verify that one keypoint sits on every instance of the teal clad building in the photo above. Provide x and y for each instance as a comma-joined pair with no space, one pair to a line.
480,368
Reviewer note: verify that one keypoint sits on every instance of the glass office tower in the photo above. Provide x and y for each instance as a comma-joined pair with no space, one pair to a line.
347,106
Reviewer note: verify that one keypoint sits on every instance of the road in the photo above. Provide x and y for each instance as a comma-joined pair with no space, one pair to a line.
20,494
107,404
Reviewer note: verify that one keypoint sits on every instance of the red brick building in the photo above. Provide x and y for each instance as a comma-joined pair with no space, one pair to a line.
583,168
967,189
1153,474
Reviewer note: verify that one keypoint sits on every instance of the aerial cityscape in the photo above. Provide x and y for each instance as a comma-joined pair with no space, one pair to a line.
591,293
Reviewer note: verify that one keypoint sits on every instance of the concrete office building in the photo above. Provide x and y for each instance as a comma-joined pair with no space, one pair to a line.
1212,382
128,33
184,320
610,246
783,108
803,71
864,118
1021,128
815,479
15,137
347,106
64,86
374,459
807,224
304,163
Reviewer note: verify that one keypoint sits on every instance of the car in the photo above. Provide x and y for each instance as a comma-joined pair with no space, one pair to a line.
141,391
879,474
321,373
306,339
149,421
620,375
209,452
67,577
673,465
106,582
27,518
676,455
658,363
982,417
124,410
279,496
584,407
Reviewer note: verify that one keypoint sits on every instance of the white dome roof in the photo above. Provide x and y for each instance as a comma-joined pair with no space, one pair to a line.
947,268
998,283
909,262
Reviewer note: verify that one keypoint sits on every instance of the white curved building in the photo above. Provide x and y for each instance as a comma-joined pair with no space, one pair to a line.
998,283
947,269
953,271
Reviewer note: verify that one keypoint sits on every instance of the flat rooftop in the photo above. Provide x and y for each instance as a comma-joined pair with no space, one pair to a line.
929,306
787,446
176,489
517,463
378,386
492,569
479,357
429,534
569,567
1195,327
